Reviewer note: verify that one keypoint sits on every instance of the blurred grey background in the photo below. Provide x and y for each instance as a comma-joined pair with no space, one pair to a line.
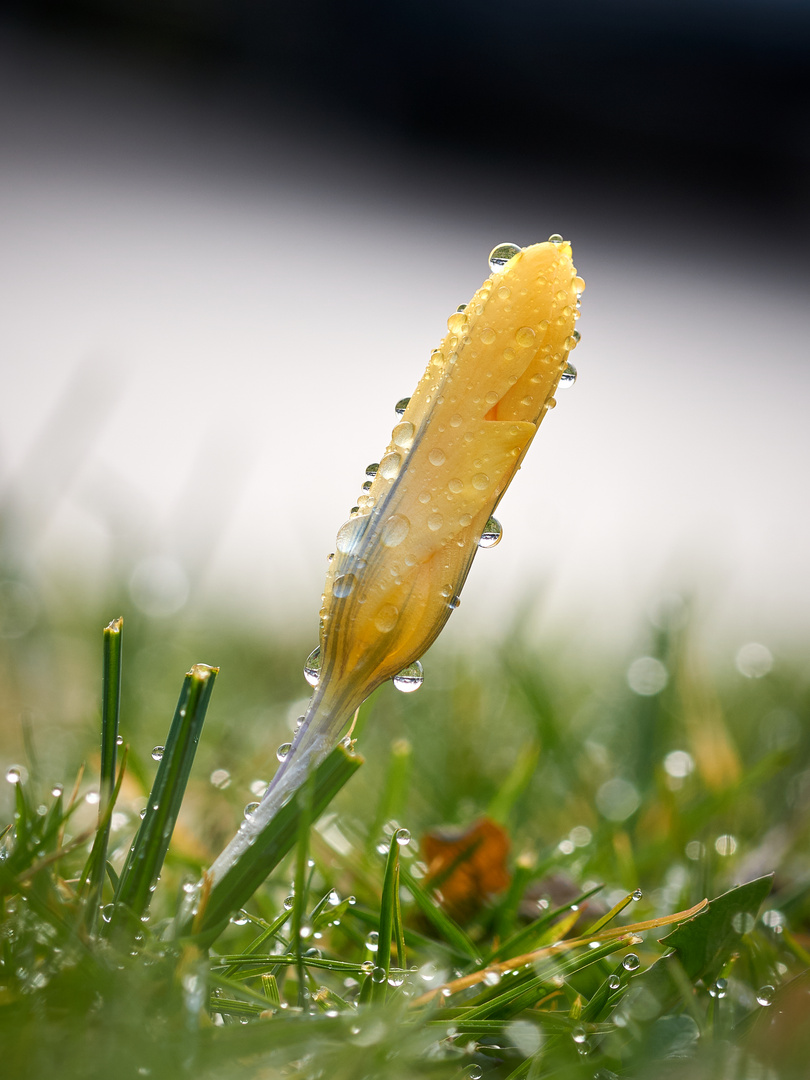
231,234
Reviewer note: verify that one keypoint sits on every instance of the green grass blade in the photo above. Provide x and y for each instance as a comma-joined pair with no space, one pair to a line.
110,714
151,842
242,879
380,982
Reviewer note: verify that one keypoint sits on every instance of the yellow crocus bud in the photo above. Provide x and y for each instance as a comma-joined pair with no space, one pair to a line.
403,556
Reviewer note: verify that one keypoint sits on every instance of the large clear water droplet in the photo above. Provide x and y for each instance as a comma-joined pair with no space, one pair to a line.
631,962
389,466
250,810
343,586
569,376
394,531
614,982
350,534
157,753
493,531
371,470
373,941
555,238
765,995
401,405
410,678
312,667
501,254
403,434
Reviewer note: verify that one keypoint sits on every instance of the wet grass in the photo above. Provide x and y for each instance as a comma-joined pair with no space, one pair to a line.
590,808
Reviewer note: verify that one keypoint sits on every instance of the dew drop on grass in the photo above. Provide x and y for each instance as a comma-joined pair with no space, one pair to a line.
283,751
250,810
631,962
569,376
373,941
313,954
14,774
718,990
107,912
396,978
614,982
500,256
378,975
491,536
401,405
56,790
579,1035
474,1072
119,740
312,667
403,837
157,753
289,902
492,977
765,995
638,894
410,678
239,918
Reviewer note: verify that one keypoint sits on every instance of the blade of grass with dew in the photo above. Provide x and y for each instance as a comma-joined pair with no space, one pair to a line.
379,975
151,842
247,873
110,714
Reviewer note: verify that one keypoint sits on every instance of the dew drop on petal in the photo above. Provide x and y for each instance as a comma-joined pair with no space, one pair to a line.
350,534
500,256
437,457
401,405
480,481
386,618
493,531
343,586
487,335
458,322
312,667
569,376
524,336
435,522
371,470
555,238
410,678
389,466
455,485
394,530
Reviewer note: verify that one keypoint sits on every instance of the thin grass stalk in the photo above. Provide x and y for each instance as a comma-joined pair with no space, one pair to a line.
151,842
110,716
305,801
383,967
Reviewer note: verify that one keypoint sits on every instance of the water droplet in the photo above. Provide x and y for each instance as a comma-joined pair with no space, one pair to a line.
378,975
569,376
437,457
14,774
367,967
56,790
142,814
461,307
555,238
386,618
403,434
289,903
107,912
631,962
283,751
119,740
394,530
372,469
579,285
250,810
312,667
396,978
491,536
93,798
157,753
435,522
373,941
350,534
474,1072
454,602
524,336
220,778
390,465
343,586
480,481
579,1034
492,977
637,894
614,982
403,837
410,678
239,918
718,990
500,256
765,995
457,323
455,485
401,405
366,487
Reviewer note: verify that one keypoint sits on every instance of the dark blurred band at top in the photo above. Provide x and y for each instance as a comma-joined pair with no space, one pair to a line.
704,95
